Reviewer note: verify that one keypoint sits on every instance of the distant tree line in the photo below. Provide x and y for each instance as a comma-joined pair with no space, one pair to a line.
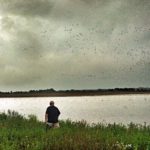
51,90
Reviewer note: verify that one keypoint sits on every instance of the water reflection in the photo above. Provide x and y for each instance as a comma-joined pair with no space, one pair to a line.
109,109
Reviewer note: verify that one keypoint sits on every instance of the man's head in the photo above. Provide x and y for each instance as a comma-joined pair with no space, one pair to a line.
51,103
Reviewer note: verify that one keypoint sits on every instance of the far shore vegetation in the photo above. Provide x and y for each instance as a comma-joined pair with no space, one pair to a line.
20,133
85,92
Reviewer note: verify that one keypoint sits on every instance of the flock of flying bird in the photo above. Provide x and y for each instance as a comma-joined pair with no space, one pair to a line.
89,41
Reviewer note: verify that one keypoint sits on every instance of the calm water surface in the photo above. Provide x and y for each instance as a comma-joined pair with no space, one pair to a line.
107,109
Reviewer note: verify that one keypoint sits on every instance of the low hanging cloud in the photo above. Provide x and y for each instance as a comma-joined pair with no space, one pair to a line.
31,8
74,44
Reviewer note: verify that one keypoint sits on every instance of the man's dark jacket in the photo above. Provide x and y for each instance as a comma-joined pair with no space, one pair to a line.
53,113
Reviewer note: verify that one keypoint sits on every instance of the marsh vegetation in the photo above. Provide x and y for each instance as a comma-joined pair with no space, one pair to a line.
19,133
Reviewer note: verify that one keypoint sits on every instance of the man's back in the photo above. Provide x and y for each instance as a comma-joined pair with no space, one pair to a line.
53,113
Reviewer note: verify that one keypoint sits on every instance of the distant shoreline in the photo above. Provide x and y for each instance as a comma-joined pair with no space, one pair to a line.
71,93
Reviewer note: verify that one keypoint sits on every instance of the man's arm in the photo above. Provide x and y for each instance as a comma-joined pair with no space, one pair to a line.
58,111
46,117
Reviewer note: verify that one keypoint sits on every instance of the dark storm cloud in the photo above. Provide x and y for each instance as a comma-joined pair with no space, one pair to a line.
74,44
28,45
26,7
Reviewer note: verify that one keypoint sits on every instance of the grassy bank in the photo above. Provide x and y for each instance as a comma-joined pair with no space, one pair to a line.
19,133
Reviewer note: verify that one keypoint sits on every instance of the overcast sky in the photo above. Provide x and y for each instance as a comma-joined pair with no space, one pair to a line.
74,44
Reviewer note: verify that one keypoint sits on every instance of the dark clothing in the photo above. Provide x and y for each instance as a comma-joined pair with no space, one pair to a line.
53,113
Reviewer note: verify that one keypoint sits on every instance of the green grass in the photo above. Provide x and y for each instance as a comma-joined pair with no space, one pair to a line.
19,133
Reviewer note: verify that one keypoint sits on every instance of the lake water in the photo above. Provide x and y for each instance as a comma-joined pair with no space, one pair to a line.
107,109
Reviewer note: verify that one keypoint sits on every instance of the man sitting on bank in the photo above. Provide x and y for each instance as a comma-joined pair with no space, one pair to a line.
51,116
